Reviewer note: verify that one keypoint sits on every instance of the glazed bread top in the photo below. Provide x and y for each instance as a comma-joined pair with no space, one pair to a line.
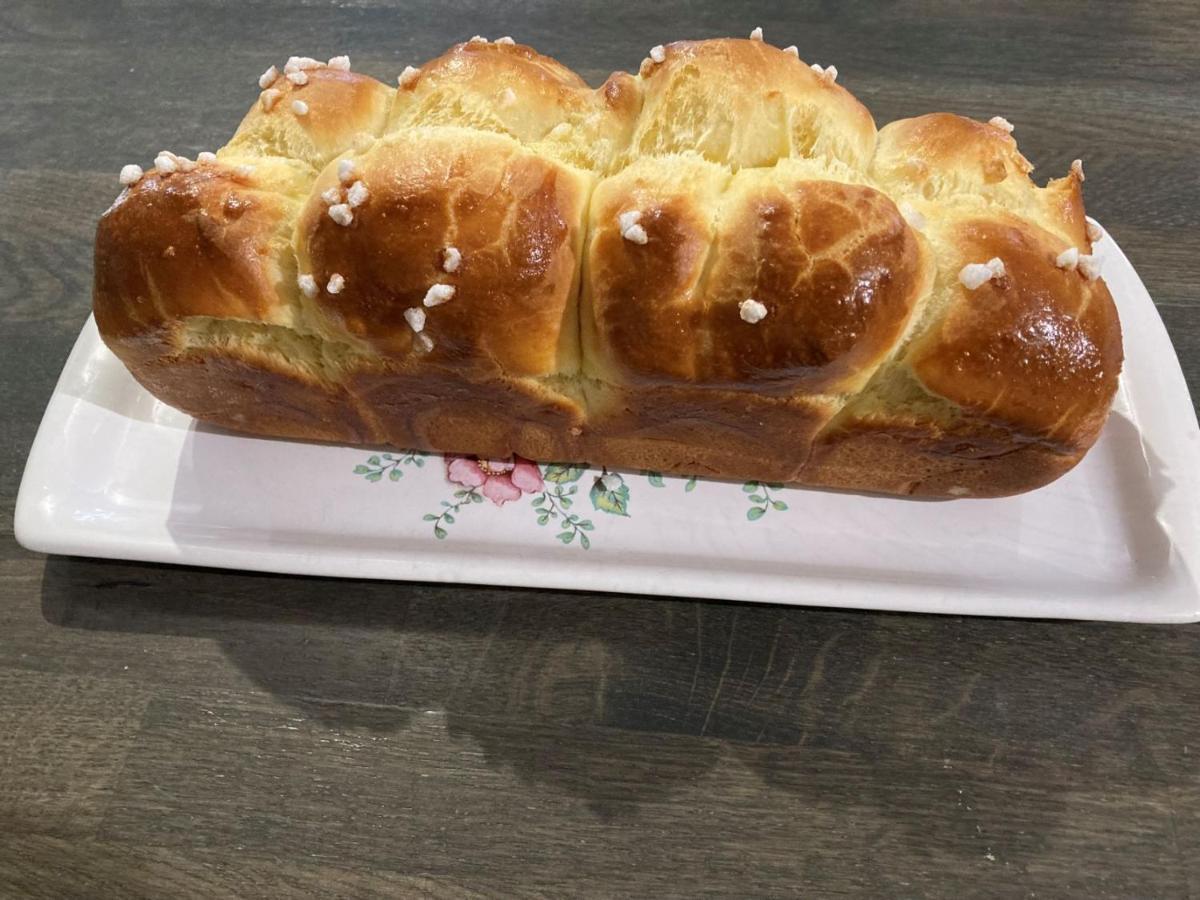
729,218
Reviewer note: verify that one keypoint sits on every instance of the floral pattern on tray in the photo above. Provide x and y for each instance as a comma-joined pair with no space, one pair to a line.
552,489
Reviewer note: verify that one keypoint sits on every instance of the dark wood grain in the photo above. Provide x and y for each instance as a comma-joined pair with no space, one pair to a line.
168,732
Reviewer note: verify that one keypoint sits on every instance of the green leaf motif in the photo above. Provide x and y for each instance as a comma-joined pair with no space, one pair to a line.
439,532
448,518
429,517
755,513
758,498
375,476
655,479
395,475
779,505
584,542
615,503
749,487
476,498
691,485
566,536
361,470
543,518
585,524
375,461
563,473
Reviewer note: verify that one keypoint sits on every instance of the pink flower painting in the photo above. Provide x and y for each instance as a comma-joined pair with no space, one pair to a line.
500,480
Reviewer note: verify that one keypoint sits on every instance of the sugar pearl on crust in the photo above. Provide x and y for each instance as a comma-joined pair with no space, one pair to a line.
415,317
630,229
1094,231
205,157
438,294
298,78
336,283
792,50
130,174
307,285
1089,266
1068,259
243,171
451,257
1077,169
756,34
299,107
478,39
296,63
165,164
346,170
752,311
341,63
267,78
1002,123
912,215
408,76
357,195
975,275
658,53
508,97
505,41
332,195
829,73
424,343
268,98
341,213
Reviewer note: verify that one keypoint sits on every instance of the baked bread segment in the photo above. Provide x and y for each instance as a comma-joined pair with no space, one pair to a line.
717,266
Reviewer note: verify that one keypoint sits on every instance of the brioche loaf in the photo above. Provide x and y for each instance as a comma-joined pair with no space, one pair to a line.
718,267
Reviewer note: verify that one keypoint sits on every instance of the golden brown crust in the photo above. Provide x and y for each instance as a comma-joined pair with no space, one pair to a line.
572,335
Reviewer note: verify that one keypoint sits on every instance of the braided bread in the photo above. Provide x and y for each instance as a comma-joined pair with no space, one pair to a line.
718,267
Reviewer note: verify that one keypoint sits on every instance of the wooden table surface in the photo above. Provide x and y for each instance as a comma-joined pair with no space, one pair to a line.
176,732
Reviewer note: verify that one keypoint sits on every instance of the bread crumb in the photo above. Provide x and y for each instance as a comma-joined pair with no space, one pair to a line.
357,195
1002,123
975,275
267,78
1089,266
1094,231
438,294
299,107
451,257
342,63
752,311
658,53
268,99
341,213
408,76
336,283
756,34
308,285
346,170
130,174
298,78
1068,259
415,317
792,50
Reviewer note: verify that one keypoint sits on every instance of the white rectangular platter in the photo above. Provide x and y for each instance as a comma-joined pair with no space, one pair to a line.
114,473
